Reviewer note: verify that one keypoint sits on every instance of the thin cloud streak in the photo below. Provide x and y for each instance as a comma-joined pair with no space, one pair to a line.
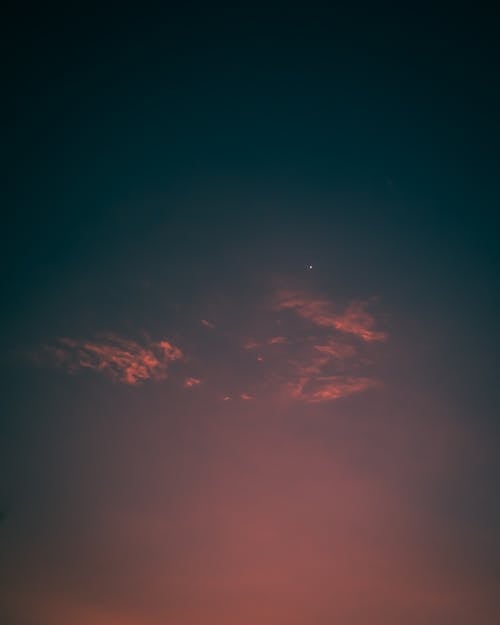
327,388
278,340
207,324
190,382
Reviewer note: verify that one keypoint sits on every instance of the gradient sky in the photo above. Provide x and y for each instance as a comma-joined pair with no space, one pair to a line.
250,318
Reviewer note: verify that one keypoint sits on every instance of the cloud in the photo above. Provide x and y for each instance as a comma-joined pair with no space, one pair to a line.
327,372
353,320
278,340
329,349
336,350
123,360
251,344
327,388
190,382
320,353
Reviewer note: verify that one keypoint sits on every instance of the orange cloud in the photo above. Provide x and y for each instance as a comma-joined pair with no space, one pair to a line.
122,360
354,320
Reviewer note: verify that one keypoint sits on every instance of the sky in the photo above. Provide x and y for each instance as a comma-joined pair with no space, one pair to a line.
250,317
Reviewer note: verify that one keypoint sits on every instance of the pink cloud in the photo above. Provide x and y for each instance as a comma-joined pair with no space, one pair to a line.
190,382
328,361
278,340
336,350
123,360
326,372
354,320
327,388
321,353
246,396
207,324
251,344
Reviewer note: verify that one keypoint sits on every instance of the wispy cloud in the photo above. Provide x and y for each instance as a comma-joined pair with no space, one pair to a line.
333,349
123,360
207,324
278,340
190,382
355,319
329,348
320,353
249,344
316,389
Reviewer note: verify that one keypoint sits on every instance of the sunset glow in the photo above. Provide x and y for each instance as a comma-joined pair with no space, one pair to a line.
250,310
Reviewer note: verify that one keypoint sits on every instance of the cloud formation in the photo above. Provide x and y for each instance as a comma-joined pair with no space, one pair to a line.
353,320
320,353
327,350
316,389
120,359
